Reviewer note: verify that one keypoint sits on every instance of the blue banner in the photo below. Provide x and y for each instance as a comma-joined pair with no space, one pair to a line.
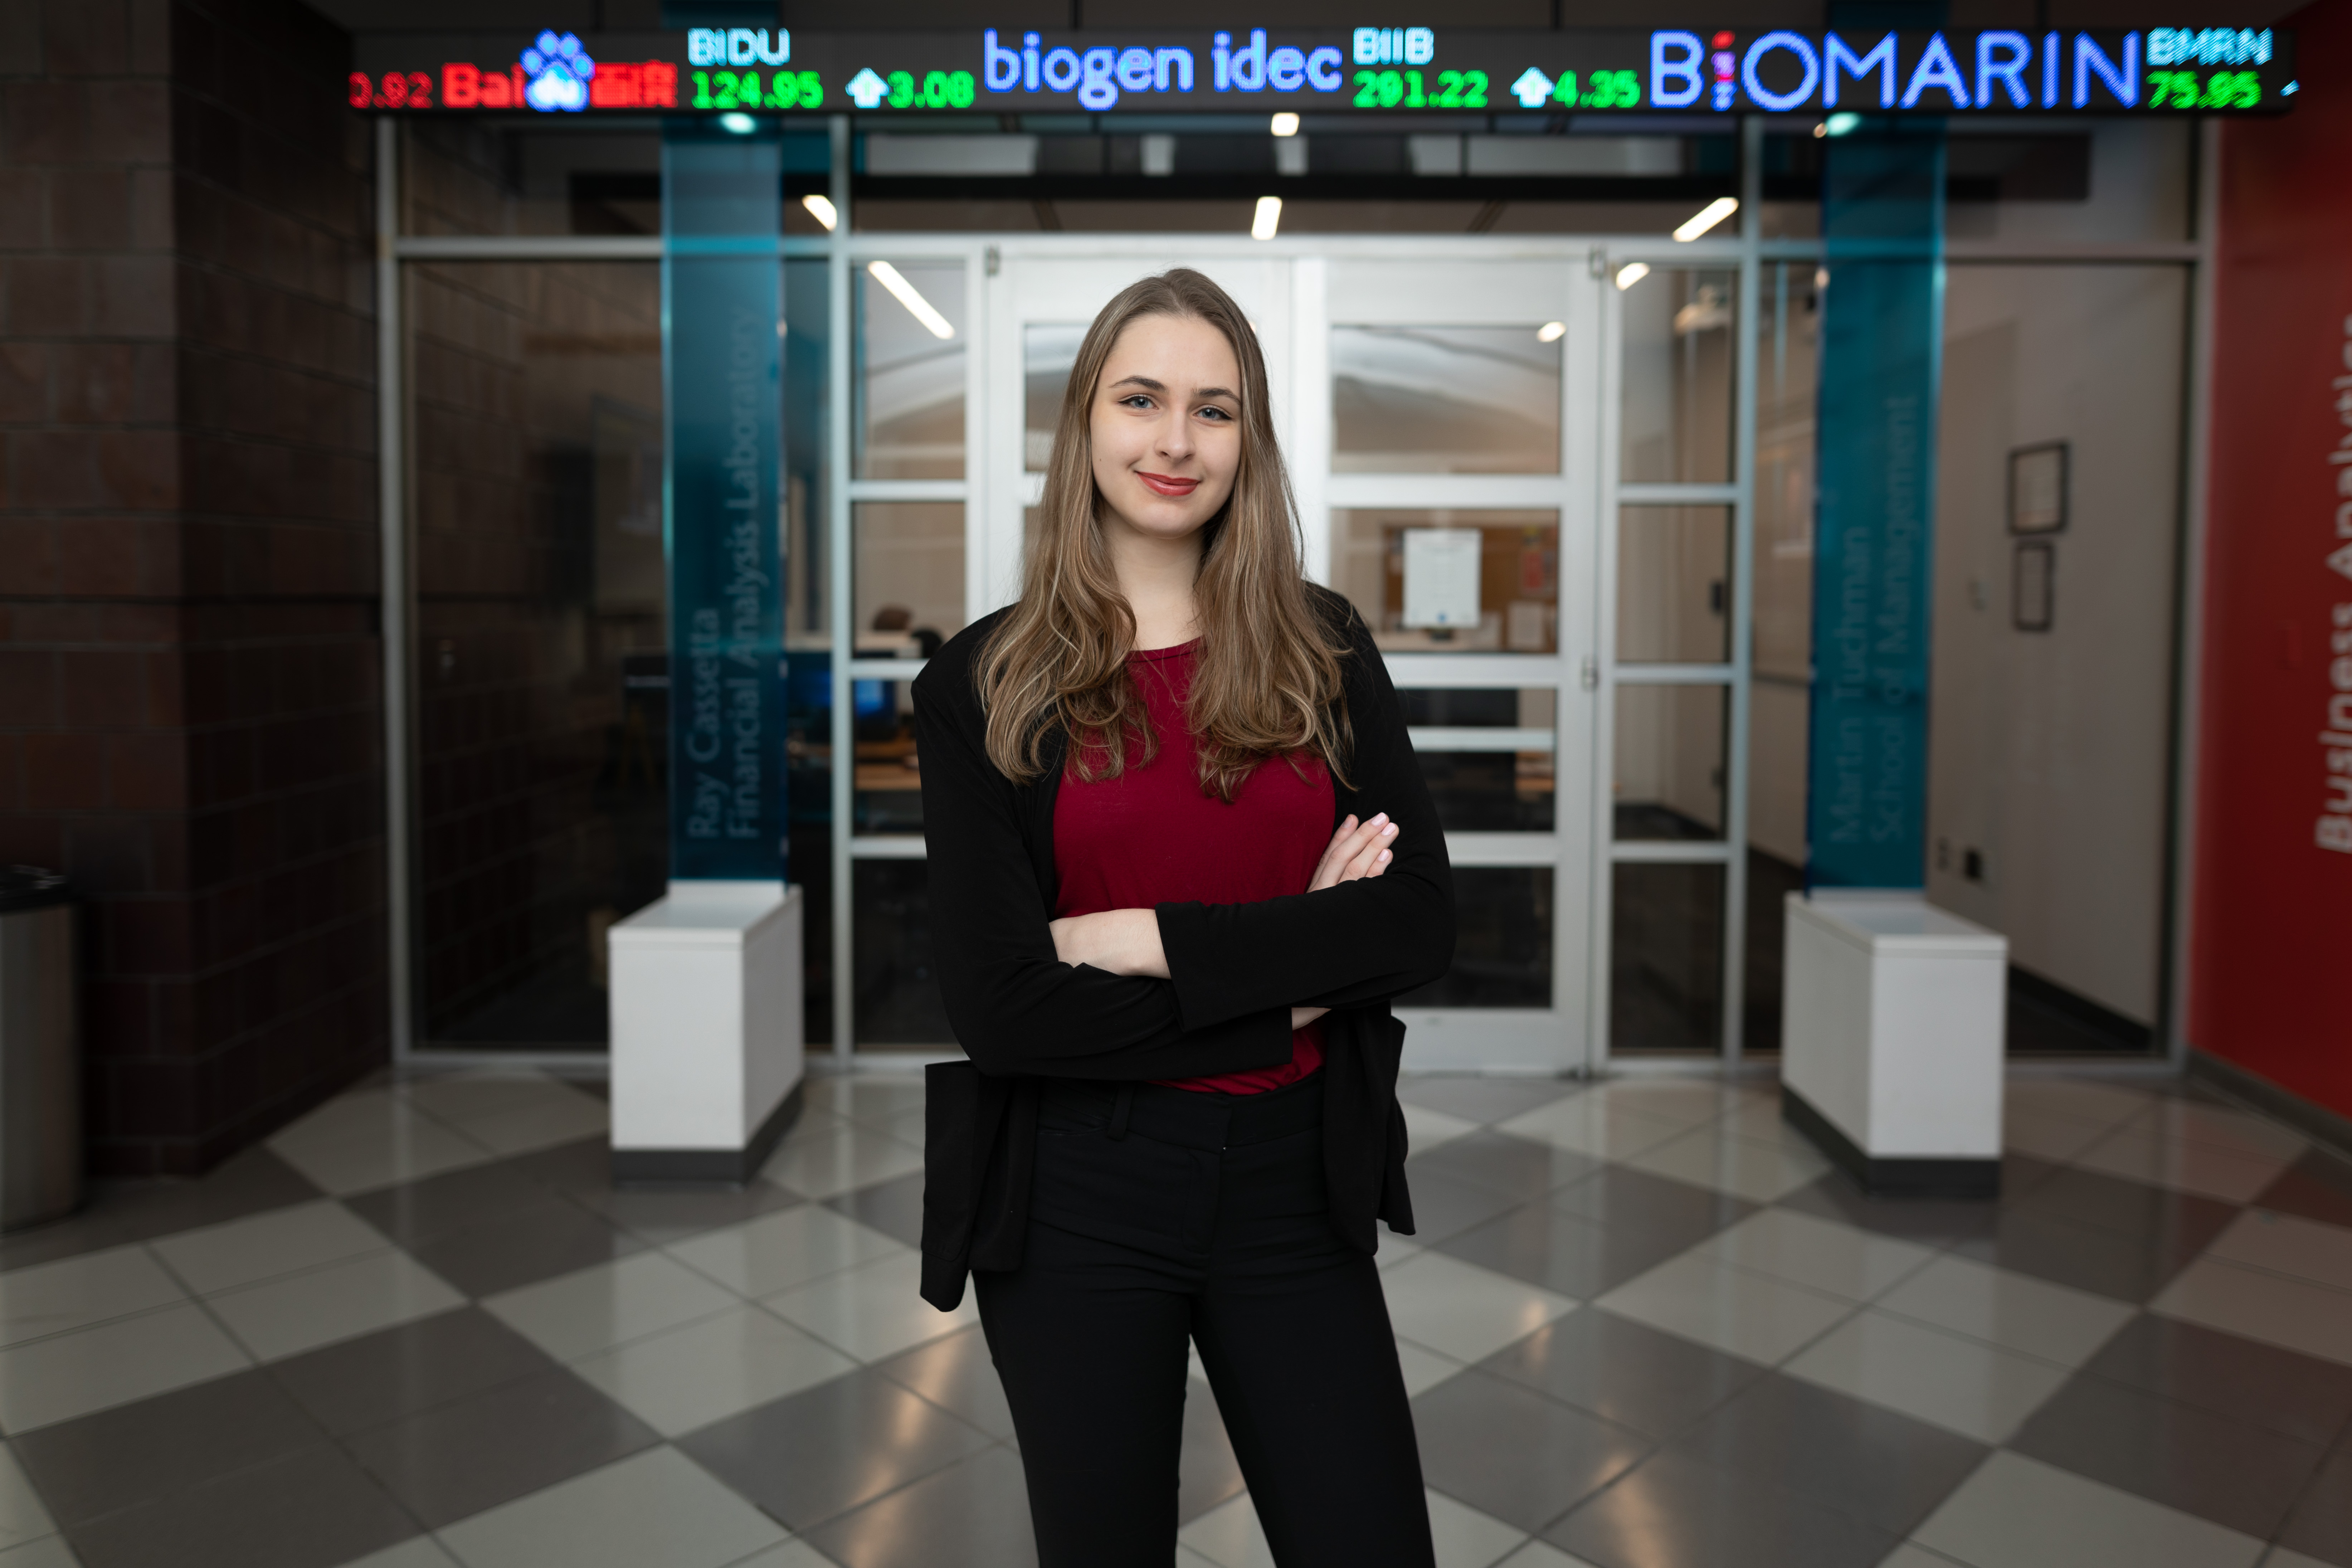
722,282
1873,552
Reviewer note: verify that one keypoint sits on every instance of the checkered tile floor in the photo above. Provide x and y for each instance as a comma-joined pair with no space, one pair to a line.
1644,1327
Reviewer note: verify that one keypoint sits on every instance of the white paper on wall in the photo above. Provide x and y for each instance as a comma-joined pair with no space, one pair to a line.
1441,577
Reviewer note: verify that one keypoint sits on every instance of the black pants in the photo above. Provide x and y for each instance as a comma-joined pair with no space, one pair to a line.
1159,1215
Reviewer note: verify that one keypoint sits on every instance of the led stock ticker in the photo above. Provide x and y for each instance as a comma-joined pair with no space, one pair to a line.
1337,71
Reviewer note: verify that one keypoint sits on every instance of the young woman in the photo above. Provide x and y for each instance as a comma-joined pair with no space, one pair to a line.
1181,858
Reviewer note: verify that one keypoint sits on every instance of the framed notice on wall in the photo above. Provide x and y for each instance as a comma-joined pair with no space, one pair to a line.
2037,488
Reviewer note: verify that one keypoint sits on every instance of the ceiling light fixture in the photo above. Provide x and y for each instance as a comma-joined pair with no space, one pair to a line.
739,124
1268,217
1286,124
1551,331
821,209
1633,272
1706,217
907,294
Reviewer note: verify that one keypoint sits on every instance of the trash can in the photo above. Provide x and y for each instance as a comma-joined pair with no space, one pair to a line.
41,1050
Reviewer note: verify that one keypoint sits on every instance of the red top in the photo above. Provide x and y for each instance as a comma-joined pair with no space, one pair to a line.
1150,836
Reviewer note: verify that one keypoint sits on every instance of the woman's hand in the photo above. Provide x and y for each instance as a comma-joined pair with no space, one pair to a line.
1302,1017
1117,941
1355,852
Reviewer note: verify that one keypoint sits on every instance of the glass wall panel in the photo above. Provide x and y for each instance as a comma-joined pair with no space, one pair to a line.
1674,584
1048,351
1488,791
1445,400
808,686
1452,581
552,175
2107,180
899,1001
910,375
909,586
1678,396
1502,945
540,675
1665,958
1669,773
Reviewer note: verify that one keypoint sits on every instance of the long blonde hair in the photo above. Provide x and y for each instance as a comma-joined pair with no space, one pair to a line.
1266,678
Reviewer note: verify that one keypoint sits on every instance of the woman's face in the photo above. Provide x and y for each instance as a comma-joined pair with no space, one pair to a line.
1167,426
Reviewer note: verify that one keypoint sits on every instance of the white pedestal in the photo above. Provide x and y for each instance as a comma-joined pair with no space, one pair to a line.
706,1058
1892,1027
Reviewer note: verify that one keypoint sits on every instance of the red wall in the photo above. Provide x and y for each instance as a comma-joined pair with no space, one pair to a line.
2272,944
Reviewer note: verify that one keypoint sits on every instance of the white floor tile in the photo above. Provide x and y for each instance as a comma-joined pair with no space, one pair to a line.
112,1363
1462,1311
2260,1306
283,1241
593,1310
75,1292
2048,1134
49,1552
22,1516
1911,1554
1690,1100
907,1127
1823,1254
867,1097
1395,1249
1749,1315
1188,1558
778,1251
2050,1322
1426,1129
542,1125
1596,1124
830,1161
2281,1557
1423,1368
1230,1536
686,1377
657,1507
1750,1168
2139,1152
371,1137
2016,1513
340,1301
790,1555
421,1552
2289,1244
1965,1386
872,1310
1465,1538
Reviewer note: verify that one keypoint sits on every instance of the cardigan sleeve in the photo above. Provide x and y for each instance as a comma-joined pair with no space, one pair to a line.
1361,942
1014,1006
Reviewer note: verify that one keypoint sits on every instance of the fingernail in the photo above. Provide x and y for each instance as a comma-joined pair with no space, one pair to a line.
1382,818
1384,858
1389,830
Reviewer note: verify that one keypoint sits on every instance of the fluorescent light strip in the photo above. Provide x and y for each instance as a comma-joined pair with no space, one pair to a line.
1706,217
821,209
907,294
1268,218
1633,272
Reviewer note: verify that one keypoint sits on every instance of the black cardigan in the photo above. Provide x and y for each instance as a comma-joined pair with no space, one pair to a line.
1022,1015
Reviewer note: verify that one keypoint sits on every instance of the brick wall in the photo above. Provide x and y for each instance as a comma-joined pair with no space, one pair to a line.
189,714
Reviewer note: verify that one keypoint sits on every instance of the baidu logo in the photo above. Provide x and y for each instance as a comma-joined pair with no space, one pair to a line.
559,69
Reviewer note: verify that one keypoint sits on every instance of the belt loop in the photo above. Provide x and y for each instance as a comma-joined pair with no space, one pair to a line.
1120,1105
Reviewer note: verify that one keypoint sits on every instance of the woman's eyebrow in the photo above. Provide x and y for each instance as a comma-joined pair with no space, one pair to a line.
1144,381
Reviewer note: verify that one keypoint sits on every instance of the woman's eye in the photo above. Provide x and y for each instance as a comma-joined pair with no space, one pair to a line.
1135,400
1213,413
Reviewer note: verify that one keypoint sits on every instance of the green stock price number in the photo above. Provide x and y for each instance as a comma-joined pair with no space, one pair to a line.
1601,89
937,89
2187,89
744,89
1406,89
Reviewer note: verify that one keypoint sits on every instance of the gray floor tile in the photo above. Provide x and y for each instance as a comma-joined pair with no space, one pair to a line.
2016,1512
2178,1225
1654,1382
487,1448
1929,1220
817,1455
665,1215
1860,1460
1676,1512
417,1211
956,1374
974,1514
1507,1451
2321,1524
116,1213
655,1510
2242,1476
555,1237
1546,1245
383,1377
2067,1252
894,1207
159,1448
2316,1186
1207,1471
1445,1206
2263,1385
1619,1197
312,1509
1483,1100
1515,1167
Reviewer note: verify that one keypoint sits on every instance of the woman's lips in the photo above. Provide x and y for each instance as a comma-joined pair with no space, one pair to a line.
1167,484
